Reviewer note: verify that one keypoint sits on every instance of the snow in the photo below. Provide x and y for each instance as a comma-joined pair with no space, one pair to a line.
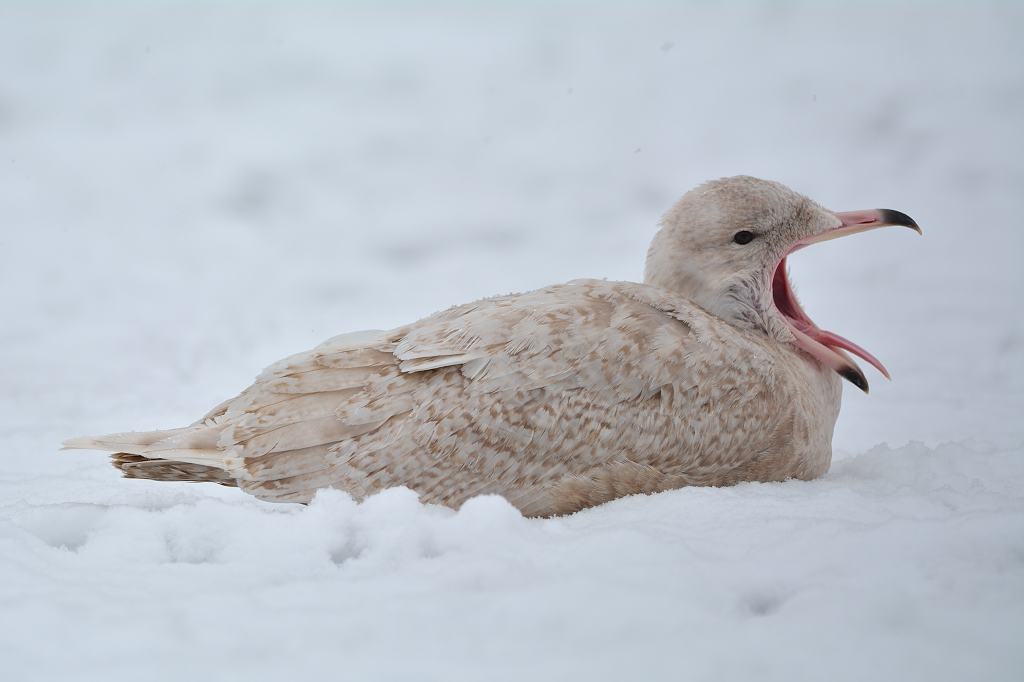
191,192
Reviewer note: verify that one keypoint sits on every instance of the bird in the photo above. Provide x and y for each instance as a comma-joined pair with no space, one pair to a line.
708,373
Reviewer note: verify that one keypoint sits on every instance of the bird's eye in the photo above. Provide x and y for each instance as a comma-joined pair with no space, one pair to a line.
743,237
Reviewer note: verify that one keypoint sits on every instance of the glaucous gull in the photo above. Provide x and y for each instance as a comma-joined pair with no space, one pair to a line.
708,373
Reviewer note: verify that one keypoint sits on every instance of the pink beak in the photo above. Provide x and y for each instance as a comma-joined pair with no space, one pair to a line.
825,346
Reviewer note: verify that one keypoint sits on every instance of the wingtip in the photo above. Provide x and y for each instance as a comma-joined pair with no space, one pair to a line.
80,443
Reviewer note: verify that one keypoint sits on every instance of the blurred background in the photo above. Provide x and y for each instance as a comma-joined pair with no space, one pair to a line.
191,191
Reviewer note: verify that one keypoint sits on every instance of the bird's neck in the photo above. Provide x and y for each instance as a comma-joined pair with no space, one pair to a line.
743,301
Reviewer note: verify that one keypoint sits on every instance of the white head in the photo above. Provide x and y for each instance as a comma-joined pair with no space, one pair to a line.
724,244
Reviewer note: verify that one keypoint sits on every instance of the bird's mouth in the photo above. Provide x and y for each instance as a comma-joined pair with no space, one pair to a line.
827,347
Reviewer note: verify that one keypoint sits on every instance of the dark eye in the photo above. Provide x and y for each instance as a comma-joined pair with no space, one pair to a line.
744,237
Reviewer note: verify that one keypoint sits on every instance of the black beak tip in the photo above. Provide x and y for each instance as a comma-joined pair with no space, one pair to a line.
855,378
890,217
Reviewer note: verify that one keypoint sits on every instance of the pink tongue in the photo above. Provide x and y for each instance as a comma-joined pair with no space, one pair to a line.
788,305
831,339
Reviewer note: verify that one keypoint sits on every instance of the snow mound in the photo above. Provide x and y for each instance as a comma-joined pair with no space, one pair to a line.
913,553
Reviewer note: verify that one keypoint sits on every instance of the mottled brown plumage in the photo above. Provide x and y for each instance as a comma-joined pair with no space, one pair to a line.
557,399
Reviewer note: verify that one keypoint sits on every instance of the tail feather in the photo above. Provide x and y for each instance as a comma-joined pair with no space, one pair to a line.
136,466
152,455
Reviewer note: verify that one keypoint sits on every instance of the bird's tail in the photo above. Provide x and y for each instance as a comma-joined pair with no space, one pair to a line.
136,466
161,455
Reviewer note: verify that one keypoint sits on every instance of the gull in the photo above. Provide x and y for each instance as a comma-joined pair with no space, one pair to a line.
708,373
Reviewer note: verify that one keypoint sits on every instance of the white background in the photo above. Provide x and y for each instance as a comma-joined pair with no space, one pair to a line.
189,192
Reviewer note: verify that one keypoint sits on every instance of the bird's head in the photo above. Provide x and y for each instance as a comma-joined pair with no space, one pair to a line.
724,245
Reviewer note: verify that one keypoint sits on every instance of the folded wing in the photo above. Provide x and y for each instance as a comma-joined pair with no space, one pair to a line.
540,396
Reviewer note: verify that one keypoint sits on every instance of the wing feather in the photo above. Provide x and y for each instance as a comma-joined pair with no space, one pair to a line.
510,395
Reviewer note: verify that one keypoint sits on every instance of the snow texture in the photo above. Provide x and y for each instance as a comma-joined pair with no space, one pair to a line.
191,192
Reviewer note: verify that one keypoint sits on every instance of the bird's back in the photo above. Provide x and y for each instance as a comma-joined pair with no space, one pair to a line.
557,399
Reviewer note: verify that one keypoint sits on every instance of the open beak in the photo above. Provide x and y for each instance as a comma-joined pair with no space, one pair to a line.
827,347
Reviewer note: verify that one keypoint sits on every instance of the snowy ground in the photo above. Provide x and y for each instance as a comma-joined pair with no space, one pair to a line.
190,192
